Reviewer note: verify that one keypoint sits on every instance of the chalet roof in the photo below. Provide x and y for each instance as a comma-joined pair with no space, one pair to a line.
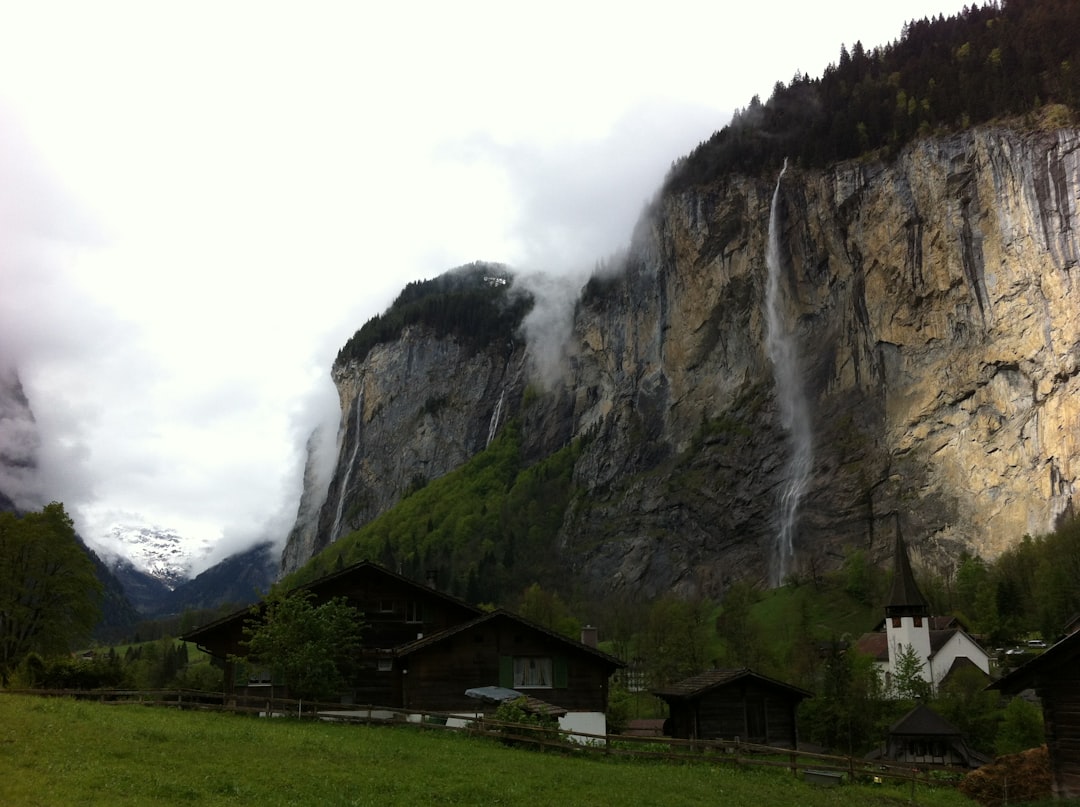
1065,652
922,721
697,685
905,597
454,630
329,581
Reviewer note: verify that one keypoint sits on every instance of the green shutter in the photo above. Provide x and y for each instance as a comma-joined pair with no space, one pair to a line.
560,674
506,671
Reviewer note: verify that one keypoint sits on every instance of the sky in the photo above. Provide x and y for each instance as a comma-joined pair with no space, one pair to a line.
200,203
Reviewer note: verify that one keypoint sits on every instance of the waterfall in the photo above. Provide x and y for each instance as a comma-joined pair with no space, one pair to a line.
493,426
358,407
794,410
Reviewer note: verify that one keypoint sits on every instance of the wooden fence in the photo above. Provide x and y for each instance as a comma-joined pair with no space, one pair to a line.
721,752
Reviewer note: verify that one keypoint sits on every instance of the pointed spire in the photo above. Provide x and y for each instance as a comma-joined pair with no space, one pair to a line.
905,599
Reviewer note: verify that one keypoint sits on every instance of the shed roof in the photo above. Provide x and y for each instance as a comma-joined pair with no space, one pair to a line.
697,685
922,721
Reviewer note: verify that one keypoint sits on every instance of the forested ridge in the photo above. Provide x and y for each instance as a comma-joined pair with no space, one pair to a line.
474,304
1014,59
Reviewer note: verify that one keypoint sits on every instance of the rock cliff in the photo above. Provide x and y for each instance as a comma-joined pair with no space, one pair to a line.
938,339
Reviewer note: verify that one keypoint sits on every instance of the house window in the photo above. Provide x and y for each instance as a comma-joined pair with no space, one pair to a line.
918,621
386,606
532,672
413,612
385,665
896,622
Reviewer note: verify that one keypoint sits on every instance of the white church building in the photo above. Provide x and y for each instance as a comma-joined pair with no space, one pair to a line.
940,643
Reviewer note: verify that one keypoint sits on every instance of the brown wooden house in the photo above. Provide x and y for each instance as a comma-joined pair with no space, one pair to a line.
729,704
423,649
1055,677
503,649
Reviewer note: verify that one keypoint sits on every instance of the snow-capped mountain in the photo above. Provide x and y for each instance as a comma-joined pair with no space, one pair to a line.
158,552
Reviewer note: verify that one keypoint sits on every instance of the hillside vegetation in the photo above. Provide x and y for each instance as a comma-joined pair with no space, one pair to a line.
1019,58
473,303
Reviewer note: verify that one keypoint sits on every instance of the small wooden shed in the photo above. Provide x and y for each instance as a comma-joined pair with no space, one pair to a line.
729,704
1055,677
924,737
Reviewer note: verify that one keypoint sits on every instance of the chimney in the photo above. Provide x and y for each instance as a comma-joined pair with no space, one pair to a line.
589,636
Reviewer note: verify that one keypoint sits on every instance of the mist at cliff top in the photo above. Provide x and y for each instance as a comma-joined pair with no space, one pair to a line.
199,204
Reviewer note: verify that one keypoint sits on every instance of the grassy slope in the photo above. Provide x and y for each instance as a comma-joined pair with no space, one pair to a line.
58,752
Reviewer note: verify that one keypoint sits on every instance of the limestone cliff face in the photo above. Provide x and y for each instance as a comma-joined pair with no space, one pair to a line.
411,411
939,337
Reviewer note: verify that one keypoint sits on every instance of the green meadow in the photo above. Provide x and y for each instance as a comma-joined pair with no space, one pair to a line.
64,753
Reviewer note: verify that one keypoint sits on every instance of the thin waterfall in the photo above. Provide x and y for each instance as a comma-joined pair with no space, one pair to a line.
493,426
358,408
791,397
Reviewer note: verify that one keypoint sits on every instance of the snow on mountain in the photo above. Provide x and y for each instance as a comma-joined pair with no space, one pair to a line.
159,552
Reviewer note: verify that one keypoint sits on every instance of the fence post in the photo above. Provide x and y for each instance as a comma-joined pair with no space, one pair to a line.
794,764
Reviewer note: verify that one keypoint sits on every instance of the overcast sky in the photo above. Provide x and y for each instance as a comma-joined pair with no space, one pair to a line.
200,202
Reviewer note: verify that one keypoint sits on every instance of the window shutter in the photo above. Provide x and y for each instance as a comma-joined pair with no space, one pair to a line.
560,674
506,671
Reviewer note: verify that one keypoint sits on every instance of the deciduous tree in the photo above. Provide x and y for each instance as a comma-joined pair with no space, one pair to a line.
49,595
314,647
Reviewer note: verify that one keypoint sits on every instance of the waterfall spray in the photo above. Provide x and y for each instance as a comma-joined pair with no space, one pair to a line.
358,408
794,410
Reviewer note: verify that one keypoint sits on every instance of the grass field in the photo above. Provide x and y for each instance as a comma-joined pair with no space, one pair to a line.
62,753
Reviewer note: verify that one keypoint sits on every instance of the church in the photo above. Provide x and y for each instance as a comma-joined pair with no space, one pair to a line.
941,643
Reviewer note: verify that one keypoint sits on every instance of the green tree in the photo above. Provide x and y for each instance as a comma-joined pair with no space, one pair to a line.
548,609
679,640
49,595
1021,727
908,680
314,647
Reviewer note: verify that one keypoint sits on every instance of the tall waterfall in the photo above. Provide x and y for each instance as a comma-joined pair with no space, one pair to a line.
790,395
358,408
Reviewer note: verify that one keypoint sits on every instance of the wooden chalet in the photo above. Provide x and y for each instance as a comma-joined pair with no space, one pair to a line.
924,737
501,648
1055,677
422,649
729,704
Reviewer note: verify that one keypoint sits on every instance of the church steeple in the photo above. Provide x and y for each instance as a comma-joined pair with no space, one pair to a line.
905,599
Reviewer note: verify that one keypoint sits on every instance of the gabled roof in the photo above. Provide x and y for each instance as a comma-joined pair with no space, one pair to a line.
697,685
1065,652
454,630
330,581
905,597
922,721
875,645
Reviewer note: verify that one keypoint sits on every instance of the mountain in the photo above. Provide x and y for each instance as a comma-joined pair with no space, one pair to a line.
240,579
782,367
160,587
152,551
